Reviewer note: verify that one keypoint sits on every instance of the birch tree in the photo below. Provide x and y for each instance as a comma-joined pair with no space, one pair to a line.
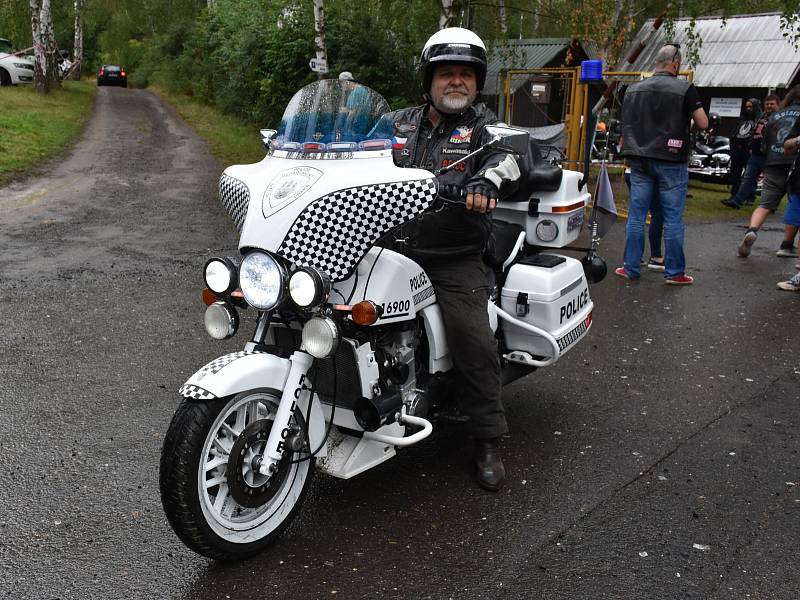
446,16
45,75
319,33
77,52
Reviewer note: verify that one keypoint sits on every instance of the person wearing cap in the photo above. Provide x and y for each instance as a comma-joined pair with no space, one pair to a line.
657,113
449,243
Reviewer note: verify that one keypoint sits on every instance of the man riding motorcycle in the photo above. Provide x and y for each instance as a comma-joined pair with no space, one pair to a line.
449,243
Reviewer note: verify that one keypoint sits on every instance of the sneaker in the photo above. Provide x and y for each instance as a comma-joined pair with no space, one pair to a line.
623,273
793,285
654,265
730,203
790,252
747,243
680,280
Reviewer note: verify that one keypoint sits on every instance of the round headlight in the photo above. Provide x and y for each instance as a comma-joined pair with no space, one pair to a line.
308,287
262,280
221,320
220,275
547,230
320,337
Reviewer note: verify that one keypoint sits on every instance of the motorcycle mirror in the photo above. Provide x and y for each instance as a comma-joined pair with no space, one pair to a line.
594,268
614,126
714,120
509,139
267,135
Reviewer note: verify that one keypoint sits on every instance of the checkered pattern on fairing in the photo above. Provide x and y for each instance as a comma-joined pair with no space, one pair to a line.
235,197
195,392
334,233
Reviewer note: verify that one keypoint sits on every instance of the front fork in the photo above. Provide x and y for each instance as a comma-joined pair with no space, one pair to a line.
281,427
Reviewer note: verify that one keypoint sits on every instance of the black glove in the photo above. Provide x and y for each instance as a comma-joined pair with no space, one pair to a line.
483,186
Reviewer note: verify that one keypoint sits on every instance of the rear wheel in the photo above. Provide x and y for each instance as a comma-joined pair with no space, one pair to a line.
5,78
213,495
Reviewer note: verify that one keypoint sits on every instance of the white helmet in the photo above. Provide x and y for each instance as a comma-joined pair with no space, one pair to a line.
453,45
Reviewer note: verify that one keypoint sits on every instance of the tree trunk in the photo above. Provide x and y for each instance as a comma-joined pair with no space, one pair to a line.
45,75
77,53
501,12
319,32
446,16
211,3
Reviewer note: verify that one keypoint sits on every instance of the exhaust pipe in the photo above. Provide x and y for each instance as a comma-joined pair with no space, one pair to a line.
372,414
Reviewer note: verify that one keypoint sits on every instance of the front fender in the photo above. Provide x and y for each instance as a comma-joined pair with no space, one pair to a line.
242,371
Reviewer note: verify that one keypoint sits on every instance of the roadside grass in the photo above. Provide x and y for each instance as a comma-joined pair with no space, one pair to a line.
703,201
229,140
35,127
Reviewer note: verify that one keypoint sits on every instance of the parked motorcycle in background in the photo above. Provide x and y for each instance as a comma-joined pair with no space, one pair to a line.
711,154
348,360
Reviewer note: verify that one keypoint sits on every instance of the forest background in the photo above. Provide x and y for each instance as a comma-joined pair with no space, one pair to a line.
247,57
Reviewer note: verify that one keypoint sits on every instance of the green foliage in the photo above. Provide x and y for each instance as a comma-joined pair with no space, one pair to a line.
37,126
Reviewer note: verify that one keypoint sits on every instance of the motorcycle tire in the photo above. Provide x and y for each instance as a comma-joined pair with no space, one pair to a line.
214,498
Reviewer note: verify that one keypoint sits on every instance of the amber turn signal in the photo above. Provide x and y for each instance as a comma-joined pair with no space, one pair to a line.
365,313
209,297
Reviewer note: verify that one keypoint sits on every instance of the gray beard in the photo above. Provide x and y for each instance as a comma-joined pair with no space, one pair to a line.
454,104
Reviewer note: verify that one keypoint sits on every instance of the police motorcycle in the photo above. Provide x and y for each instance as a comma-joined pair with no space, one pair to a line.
348,361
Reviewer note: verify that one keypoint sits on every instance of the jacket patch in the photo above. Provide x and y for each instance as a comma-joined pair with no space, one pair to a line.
462,151
404,127
461,135
459,167
675,143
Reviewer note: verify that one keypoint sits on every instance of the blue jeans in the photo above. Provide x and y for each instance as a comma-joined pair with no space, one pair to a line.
747,189
668,180
654,232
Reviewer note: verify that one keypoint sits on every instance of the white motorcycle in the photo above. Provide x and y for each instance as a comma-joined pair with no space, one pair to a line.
348,361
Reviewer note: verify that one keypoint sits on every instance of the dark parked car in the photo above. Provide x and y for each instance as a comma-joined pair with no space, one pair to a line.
112,75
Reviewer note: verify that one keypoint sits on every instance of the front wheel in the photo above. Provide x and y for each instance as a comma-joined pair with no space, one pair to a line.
215,499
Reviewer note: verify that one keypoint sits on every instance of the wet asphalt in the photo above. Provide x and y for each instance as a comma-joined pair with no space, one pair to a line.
658,459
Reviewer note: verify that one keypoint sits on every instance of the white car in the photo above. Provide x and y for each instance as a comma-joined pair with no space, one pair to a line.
14,69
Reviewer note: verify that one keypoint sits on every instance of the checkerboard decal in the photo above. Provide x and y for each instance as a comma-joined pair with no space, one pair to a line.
235,197
334,233
195,392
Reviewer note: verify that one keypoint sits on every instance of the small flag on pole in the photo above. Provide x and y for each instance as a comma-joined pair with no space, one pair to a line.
604,211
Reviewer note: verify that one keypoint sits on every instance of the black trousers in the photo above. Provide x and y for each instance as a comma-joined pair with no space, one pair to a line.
738,162
462,292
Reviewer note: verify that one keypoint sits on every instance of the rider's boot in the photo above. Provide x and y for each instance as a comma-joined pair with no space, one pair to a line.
490,471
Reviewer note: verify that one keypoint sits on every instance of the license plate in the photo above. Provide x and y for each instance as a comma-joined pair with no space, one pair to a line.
575,221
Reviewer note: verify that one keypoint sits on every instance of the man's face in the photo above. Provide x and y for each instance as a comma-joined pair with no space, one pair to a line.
770,106
453,88
749,108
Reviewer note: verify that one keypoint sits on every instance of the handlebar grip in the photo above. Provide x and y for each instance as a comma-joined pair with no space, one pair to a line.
453,193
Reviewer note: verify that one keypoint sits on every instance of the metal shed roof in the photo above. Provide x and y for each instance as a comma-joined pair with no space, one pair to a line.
521,54
741,51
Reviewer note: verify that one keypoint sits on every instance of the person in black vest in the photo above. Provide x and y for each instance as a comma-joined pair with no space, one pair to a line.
449,243
776,172
740,142
755,164
656,118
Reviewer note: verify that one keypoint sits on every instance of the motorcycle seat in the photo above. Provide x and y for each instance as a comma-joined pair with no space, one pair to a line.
500,246
536,175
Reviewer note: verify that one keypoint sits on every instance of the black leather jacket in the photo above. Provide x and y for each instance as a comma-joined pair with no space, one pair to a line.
453,231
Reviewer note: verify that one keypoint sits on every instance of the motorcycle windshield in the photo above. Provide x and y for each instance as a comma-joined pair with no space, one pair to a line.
333,115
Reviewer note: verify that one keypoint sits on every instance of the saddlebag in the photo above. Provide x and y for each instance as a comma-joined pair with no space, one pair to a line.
550,292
